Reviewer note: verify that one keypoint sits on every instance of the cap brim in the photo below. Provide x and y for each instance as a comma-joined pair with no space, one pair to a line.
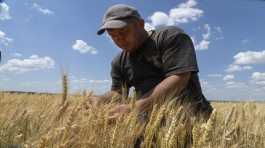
112,24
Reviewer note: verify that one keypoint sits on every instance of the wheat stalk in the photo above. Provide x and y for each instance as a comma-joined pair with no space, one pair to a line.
210,125
65,88
152,129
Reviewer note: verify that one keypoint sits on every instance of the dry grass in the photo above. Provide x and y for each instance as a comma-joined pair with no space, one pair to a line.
64,121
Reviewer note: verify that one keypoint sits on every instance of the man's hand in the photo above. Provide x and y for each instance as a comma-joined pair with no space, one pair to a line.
171,85
118,111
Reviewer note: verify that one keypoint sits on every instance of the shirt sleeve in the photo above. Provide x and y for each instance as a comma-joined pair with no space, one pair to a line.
116,75
178,53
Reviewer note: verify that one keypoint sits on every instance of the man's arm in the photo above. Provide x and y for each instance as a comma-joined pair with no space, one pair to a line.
179,61
171,85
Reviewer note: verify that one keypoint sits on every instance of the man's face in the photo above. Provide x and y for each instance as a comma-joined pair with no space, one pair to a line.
126,38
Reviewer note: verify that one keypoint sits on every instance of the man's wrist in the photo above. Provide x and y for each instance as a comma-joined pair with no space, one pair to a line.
143,105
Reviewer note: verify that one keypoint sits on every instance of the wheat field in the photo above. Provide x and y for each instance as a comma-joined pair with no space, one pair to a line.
69,121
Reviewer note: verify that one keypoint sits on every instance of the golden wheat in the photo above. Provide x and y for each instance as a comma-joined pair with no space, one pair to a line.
34,120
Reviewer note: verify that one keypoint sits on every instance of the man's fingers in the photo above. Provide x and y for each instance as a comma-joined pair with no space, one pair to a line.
114,110
115,116
113,113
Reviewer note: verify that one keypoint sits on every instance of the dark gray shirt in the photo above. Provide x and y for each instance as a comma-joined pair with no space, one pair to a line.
167,51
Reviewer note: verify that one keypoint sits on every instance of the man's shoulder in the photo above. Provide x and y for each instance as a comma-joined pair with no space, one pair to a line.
118,58
167,35
168,30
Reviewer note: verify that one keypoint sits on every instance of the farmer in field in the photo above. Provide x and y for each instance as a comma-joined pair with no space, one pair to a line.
156,63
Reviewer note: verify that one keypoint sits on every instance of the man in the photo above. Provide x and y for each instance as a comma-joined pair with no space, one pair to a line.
155,63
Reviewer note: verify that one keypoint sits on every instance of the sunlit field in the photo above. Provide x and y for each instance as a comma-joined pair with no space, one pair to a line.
70,121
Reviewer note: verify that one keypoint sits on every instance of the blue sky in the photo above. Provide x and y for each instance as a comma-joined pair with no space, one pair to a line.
41,38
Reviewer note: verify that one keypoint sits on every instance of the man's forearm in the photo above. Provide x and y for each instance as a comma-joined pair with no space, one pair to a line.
169,87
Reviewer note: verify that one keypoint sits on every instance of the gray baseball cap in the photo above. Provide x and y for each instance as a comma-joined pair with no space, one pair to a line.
118,16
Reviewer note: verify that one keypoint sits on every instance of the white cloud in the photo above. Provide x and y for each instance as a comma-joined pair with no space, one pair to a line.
233,68
4,39
148,26
233,84
183,13
80,81
206,36
246,67
204,43
210,34
250,57
228,77
82,47
218,33
260,89
232,90
85,80
215,75
258,76
242,60
207,86
33,63
218,29
16,54
230,83
261,83
4,12
160,18
97,86
44,11
204,83
99,81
